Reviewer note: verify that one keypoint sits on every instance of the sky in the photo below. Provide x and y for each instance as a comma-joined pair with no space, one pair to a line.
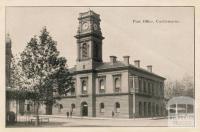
168,47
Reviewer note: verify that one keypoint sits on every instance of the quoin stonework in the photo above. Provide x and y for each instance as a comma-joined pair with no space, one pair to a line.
109,89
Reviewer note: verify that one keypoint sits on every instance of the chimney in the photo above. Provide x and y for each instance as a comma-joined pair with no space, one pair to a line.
113,59
149,68
126,59
137,63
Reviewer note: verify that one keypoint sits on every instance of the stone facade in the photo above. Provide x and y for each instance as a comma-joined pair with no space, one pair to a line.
109,89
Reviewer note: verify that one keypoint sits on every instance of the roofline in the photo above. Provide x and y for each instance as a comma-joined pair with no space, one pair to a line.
116,69
143,70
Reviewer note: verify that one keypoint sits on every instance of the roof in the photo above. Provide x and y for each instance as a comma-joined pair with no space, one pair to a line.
118,64
181,100
14,93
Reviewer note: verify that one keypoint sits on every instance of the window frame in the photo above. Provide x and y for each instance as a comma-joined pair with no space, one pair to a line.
84,50
73,108
117,107
140,85
140,108
144,86
102,107
117,89
101,78
84,79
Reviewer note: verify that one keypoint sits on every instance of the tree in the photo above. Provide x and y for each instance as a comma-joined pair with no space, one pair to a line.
183,87
44,70
16,76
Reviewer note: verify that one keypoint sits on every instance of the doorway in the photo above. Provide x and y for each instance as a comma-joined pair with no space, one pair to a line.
84,109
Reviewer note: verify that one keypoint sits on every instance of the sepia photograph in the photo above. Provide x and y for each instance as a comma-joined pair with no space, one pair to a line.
98,66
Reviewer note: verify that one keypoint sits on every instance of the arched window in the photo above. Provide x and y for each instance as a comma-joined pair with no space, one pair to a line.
117,85
153,109
85,50
117,107
60,107
102,107
84,87
157,109
73,107
144,85
153,89
145,109
84,109
28,107
140,108
102,85
149,109
149,88
140,86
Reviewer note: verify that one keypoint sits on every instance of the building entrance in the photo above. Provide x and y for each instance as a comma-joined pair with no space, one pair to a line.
84,109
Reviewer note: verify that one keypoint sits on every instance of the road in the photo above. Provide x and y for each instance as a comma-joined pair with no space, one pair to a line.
64,122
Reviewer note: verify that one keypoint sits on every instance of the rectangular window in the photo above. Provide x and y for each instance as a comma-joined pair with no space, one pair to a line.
102,108
130,82
72,89
140,86
144,85
117,105
117,83
152,89
162,89
102,84
149,88
84,85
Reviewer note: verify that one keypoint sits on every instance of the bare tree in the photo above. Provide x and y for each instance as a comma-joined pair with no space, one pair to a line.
183,87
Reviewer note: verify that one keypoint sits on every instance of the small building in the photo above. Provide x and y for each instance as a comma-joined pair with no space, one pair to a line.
109,89
181,111
18,101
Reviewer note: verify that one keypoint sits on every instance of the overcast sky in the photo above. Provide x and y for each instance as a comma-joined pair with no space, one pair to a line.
169,47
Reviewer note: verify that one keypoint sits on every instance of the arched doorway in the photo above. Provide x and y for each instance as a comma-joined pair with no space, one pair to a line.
84,109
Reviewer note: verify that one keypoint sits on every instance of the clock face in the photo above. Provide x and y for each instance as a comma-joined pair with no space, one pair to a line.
85,26
95,27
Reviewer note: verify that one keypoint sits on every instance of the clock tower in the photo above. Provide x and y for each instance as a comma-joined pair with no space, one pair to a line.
89,41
